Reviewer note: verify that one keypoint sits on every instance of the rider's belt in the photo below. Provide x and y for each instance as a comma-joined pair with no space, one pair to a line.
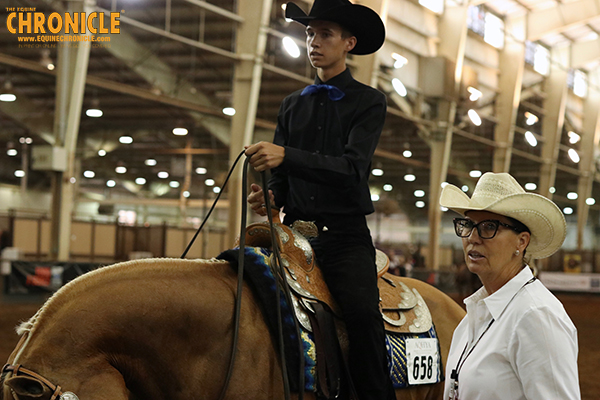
335,222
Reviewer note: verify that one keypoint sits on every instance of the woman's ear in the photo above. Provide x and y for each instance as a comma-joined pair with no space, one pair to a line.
523,240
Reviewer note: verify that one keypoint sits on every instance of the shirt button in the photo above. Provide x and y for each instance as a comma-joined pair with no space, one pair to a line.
321,103
312,197
319,127
318,152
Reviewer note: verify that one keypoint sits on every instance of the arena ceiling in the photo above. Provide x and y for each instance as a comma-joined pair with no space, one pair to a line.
172,65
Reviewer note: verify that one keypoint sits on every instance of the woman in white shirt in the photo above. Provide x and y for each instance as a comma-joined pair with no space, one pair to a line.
516,341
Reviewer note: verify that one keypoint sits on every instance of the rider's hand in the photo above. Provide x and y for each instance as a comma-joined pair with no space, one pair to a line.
265,155
256,199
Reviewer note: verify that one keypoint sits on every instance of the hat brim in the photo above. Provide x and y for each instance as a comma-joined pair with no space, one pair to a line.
543,218
361,21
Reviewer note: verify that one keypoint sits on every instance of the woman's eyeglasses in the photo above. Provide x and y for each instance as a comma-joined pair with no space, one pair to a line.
486,229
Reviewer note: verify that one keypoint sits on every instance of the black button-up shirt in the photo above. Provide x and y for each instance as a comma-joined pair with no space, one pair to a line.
328,150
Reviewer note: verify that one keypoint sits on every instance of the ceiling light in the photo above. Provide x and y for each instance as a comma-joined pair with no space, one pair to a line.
94,112
151,162
399,87
229,111
409,178
475,173
120,170
7,97
399,61
89,174
573,137
46,61
574,155
572,196
590,201
174,184
12,152
374,197
180,131
216,189
444,209
387,187
567,210
530,118
377,172
111,183
140,181
444,184
474,117
291,47
407,153
101,153
209,182
530,186
6,94
419,193
19,173
126,139
72,180
437,6
420,204
163,174
201,171
475,94
464,188
25,140
186,193
531,139
552,189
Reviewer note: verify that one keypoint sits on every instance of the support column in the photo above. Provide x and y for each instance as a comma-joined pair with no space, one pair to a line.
552,124
512,63
453,37
70,87
250,44
589,142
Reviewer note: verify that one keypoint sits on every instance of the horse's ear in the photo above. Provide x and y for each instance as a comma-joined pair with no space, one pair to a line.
26,388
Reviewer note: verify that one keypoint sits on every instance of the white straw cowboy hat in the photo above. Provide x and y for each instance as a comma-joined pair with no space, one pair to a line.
502,194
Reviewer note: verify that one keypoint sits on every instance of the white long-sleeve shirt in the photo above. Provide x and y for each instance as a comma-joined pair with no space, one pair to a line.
529,351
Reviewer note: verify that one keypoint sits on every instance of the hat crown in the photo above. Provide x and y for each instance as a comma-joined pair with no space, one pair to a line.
493,187
319,7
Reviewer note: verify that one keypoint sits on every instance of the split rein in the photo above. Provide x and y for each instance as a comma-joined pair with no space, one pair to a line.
278,273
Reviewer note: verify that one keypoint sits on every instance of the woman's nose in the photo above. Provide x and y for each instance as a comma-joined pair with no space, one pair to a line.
474,236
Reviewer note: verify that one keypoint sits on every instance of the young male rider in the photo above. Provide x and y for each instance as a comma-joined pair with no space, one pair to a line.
320,160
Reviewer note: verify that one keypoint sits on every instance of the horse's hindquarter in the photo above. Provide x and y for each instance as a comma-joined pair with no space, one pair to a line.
165,325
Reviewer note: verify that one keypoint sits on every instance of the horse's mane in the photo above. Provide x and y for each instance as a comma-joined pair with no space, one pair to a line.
107,273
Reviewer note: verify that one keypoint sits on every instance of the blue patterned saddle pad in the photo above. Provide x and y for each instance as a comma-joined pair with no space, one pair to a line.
258,272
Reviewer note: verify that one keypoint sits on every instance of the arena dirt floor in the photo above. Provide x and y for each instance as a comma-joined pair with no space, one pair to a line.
583,309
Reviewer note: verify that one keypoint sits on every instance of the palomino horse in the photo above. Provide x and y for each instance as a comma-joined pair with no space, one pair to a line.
162,329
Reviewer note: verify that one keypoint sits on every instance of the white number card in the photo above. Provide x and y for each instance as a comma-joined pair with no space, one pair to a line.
422,356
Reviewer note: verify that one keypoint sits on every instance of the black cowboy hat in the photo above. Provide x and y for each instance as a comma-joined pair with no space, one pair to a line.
361,21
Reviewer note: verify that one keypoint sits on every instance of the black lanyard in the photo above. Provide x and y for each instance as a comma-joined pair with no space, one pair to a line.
456,371
461,362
